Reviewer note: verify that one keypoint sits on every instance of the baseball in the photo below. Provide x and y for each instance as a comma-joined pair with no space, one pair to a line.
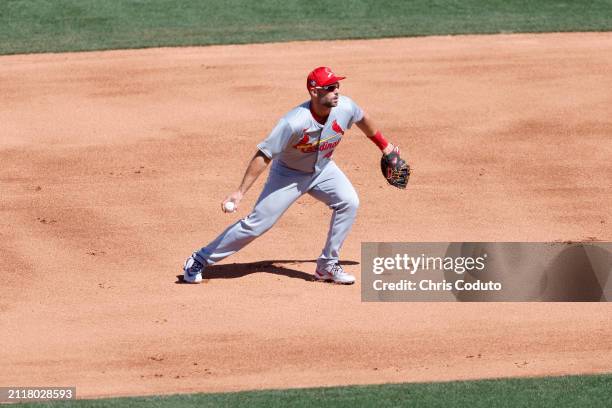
229,206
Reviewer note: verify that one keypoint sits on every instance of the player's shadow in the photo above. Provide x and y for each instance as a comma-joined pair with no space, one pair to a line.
274,267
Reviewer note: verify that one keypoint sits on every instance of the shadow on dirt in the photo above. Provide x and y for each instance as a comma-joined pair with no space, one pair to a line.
275,267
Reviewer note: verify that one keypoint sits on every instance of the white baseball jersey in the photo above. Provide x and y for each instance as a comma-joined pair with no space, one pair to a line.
301,143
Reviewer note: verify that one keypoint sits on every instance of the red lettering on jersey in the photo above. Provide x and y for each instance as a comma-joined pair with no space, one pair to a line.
306,146
328,145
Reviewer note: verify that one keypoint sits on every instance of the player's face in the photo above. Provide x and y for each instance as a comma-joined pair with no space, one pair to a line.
328,95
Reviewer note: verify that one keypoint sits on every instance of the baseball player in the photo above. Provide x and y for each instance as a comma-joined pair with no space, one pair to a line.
300,149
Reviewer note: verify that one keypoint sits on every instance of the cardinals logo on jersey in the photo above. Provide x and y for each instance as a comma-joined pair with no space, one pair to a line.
337,128
306,146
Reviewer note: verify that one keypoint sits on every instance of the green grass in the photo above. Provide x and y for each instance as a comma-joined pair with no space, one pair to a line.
74,25
575,391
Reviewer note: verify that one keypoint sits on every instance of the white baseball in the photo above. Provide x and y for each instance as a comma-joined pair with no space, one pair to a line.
229,206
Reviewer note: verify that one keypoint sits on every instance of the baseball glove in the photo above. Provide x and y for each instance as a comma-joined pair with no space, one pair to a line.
395,169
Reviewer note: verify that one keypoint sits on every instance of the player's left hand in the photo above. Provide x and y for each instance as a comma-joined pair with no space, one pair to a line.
395,169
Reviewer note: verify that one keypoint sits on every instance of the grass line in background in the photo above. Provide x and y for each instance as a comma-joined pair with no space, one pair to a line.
572,391
28,26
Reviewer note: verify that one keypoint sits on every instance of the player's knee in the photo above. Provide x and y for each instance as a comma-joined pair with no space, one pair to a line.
353,202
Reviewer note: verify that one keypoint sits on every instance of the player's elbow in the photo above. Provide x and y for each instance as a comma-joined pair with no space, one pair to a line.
366,125
262,156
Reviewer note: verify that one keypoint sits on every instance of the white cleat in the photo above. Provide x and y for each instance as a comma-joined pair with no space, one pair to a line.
192,270
334,273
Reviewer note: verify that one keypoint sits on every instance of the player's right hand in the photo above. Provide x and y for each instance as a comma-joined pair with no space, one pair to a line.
235,198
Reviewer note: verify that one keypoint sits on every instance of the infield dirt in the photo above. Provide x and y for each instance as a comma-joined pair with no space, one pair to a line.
114,165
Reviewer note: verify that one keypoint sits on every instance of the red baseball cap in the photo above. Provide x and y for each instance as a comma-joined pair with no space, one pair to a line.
322,76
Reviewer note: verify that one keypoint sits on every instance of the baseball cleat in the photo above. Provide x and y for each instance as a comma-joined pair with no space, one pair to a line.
334,273
193,270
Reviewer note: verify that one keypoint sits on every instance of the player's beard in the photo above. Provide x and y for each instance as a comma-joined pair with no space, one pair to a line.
330,103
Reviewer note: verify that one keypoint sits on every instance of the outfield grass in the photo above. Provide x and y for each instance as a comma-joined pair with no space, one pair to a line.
75,25
574,391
